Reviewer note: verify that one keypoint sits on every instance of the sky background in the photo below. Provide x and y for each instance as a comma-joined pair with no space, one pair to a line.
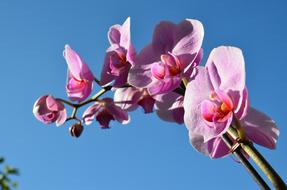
147,154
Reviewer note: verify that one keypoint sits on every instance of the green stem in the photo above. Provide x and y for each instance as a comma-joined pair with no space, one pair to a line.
95,97
260,161
250,169
76,106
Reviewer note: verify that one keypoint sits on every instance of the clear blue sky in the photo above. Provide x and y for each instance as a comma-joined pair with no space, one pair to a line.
147,154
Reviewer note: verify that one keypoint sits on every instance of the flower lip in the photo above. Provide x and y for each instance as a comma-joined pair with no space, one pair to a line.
218,108
158,70
169,66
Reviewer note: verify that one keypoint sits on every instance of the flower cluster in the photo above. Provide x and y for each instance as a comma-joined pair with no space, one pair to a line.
165,77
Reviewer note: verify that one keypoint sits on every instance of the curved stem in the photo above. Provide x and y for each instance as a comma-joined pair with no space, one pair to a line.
66,102
76,106
97,81
260,161
95,97
250,169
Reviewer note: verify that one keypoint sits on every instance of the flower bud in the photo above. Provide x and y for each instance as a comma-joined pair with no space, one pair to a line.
48,110
76,130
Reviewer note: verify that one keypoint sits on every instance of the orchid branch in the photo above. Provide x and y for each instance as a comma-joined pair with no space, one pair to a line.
243,160
260,161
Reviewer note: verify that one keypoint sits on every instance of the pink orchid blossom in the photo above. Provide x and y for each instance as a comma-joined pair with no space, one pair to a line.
130,98
217,95
105,110
80,78
161,65
49,110
120,55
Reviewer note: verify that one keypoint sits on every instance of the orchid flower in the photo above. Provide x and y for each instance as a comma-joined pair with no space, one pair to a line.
119,57
130,98
80,78
161,65
49,110
104,111
216,97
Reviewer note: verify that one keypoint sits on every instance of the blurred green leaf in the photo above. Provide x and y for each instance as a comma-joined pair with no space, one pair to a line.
2,159
15,184
10,170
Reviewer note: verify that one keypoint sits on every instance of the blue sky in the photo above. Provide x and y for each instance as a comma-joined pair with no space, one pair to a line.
147,154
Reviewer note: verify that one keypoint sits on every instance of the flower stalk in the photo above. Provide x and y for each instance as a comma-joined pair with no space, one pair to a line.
243,160
259,160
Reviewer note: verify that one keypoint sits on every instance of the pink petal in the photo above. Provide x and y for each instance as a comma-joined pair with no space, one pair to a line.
119,114
197,141
74,62
164,86
105,76
104,117
140,72
90,112
78,90
214,148
147,103
169,107
190,68
53,105
125,34
241,103
62,118
114,34
158,70
40,107
163,37
121,80
260,128
127,98
217,148
190,35
227,68
208,110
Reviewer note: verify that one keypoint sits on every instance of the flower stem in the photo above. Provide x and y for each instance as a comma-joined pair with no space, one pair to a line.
260,161
250,169
95,97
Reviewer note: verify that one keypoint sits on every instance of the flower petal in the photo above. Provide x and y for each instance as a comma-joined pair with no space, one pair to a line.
119,114
189,36
62,118
260,128
163,36
164,86
197,141
147,103
53,104
227,68
169,107
140,72
90,112
125,34
127,98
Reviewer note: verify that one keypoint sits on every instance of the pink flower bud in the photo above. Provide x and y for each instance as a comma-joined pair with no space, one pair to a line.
49,110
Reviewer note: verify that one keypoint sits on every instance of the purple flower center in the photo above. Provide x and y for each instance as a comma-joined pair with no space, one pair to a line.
169,66
50,117
104,117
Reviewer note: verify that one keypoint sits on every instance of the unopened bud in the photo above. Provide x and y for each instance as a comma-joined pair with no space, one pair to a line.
76,130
